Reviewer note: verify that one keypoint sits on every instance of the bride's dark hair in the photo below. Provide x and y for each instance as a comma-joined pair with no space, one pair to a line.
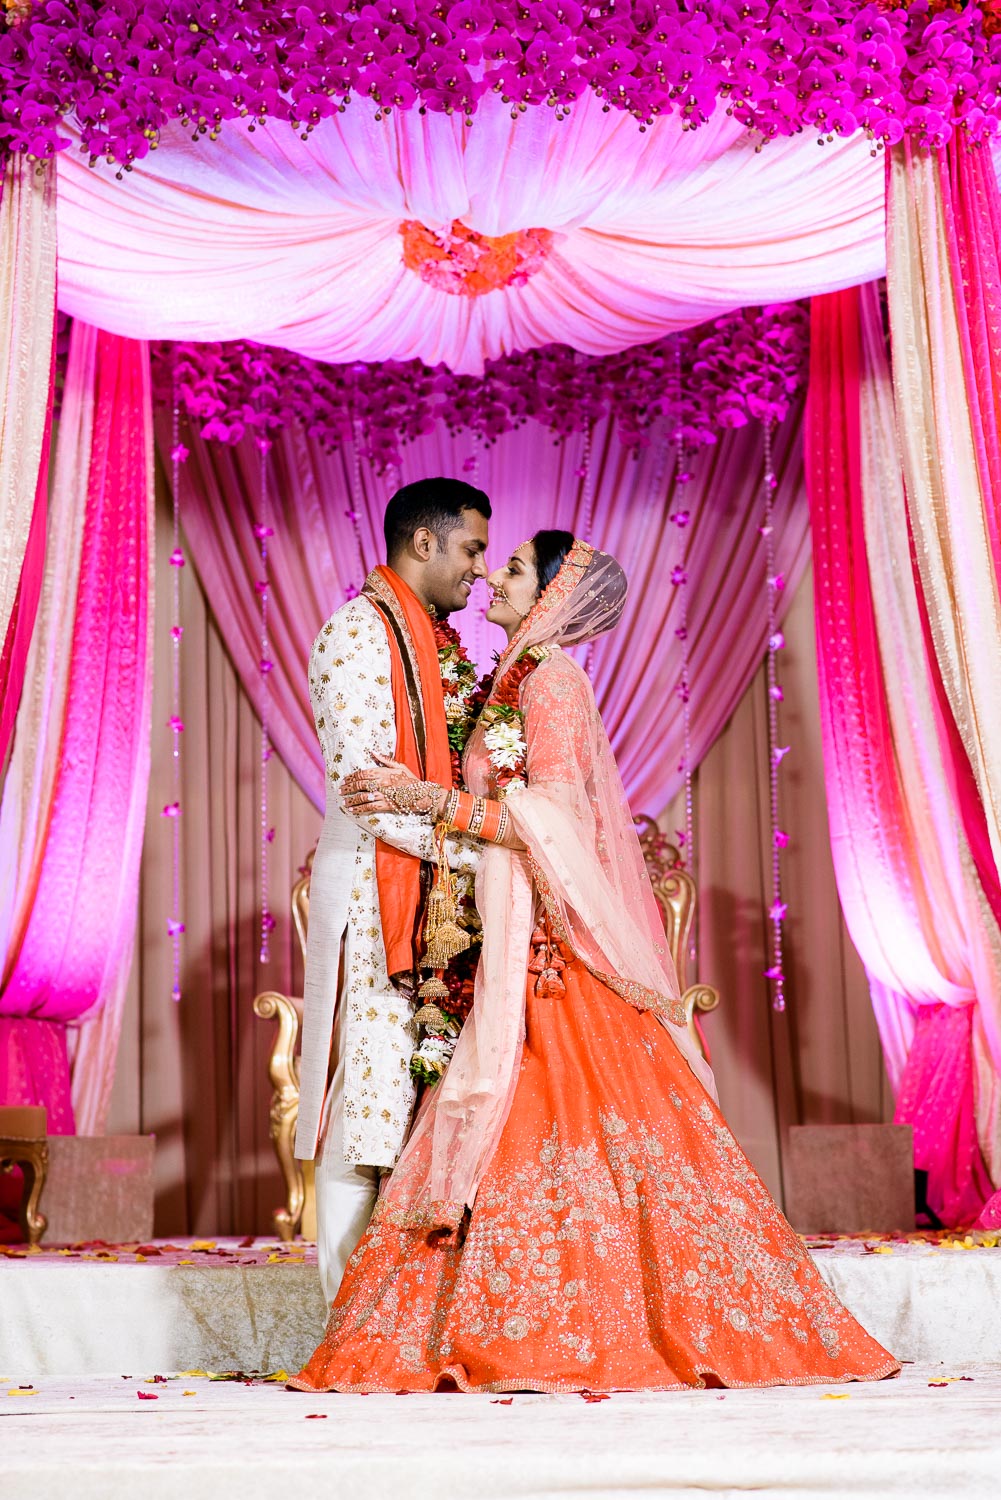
550,548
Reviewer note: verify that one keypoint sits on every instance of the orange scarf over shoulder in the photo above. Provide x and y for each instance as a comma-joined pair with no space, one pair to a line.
421,745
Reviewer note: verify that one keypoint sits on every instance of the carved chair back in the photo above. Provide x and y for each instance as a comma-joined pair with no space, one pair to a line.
300,903
674,888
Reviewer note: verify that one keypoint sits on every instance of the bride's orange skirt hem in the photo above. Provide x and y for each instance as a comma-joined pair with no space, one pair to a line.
620,1240
452,1380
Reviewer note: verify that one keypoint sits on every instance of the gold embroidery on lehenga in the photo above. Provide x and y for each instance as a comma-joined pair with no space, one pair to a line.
521,1270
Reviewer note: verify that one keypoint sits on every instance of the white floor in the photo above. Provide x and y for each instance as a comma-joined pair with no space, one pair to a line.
93,1438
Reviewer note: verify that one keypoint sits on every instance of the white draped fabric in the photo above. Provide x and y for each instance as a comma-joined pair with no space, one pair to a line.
260,235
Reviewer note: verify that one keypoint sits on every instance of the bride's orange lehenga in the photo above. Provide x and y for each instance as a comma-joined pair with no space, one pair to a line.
618,1237
620,1240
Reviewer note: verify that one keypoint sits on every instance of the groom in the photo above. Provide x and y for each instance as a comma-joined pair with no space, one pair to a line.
375,685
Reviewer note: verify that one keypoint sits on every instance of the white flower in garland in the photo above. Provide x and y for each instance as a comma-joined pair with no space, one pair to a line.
506,745
432,1056
449,669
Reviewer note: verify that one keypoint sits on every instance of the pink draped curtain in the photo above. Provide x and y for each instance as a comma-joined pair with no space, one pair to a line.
27,327
944,292
906,878
72,814
318,552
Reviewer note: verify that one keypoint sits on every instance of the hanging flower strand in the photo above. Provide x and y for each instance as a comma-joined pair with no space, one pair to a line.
775,583
172,809
681,518
586,472
353,512
263,531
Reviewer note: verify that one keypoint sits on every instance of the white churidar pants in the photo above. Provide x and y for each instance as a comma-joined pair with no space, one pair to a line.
345,1190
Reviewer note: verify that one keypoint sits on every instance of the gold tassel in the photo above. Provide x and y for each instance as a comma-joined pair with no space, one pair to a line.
430,1017
432,989
443,938
436,1021
445,944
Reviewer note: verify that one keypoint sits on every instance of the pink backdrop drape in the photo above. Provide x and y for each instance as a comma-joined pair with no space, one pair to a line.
944,293
906,878
197,1073
27,329
532,483
74,801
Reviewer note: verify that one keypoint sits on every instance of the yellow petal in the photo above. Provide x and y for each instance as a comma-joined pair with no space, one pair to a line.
835,1396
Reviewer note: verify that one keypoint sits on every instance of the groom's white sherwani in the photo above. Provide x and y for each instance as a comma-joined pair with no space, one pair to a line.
359,1124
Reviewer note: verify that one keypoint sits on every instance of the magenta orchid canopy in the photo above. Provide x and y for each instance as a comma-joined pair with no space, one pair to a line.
417,210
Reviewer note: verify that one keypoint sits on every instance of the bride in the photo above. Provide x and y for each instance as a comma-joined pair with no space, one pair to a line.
571,1211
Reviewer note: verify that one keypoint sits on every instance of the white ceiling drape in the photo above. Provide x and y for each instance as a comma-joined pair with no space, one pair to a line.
260,235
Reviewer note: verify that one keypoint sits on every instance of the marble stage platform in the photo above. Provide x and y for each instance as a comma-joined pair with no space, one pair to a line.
256,1305
927,1435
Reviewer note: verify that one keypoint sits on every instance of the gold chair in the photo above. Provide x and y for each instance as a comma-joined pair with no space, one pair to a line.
675,891
24,1143
298,1213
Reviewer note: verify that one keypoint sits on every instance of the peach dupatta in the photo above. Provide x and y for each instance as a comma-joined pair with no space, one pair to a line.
583,858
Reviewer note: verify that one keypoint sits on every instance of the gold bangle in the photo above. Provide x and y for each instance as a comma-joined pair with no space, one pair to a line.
478,814
451,807
502,823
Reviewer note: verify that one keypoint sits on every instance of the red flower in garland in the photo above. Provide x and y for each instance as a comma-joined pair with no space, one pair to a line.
458,678
503,706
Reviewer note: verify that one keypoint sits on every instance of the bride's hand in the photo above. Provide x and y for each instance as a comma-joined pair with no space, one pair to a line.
367,791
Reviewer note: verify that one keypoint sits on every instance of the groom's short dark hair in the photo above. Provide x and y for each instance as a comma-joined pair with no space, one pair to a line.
435,503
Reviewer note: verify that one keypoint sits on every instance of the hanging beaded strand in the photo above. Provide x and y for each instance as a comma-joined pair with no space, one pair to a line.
681,518
775,583
479,649
586,472
172,810
353,513
263,531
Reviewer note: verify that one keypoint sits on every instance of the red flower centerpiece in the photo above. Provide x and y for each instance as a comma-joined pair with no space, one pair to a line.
464,263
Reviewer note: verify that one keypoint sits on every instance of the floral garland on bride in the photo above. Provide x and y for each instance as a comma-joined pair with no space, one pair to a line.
504,721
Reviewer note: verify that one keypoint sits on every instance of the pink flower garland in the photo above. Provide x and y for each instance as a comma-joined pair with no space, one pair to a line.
126,68
747,365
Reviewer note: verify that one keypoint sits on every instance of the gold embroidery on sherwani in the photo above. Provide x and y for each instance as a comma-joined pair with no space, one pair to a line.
379,1036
